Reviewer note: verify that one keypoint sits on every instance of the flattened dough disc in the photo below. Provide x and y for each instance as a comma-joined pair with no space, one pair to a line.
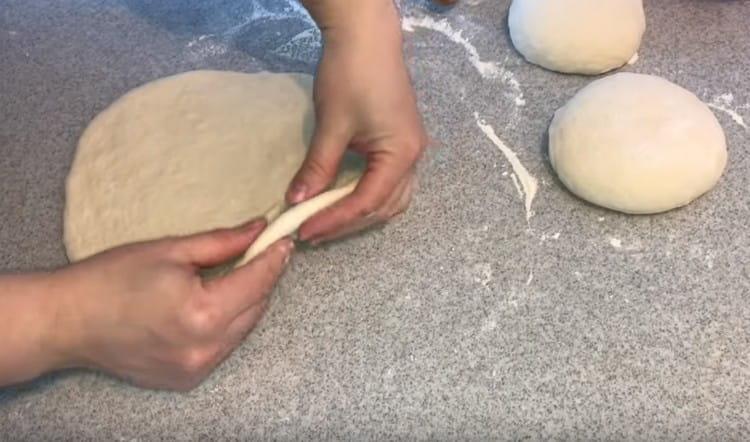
189,153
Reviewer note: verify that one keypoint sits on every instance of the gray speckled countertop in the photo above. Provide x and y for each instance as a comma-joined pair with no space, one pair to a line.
459,320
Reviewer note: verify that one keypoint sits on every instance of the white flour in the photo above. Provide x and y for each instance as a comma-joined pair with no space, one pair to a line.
517,184
304,46
487,69
261,14
203,47
723,103
529,184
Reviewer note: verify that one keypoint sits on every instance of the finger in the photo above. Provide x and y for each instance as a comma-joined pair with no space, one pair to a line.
244,324
399,205
396,204
239,329
321,164
218,246
376,186
250,284
399,200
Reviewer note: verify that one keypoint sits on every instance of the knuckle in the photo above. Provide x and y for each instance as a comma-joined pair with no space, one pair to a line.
369,205
169,281
265,263
398,210
201,320
264,278
405,201
413,149
271,270
195,363
401,204
381,219
316,167
368,209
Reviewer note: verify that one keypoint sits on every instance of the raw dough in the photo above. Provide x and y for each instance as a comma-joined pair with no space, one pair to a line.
190,153
577,36
638,144
293,218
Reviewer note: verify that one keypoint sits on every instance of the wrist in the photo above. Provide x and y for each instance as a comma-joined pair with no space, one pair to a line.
30,331
62,335
367,24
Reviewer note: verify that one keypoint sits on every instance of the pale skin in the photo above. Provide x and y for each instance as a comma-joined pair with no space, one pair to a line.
142,313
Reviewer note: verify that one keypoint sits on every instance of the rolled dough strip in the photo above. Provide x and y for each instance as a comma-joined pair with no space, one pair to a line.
292,219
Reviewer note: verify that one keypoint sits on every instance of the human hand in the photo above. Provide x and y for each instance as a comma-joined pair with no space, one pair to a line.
142,312
364,102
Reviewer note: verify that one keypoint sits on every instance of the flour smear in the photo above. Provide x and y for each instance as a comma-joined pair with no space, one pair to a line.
487,69
723,103
204,47
528,184
303,46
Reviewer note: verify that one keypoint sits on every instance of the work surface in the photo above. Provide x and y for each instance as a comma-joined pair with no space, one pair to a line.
462,319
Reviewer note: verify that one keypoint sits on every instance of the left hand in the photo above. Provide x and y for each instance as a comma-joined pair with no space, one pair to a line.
364,101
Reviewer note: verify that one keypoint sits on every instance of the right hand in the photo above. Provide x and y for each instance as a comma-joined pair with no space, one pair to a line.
365,103
142,312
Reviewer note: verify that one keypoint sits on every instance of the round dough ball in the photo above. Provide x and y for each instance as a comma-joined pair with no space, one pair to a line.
637,144
188,153
577,36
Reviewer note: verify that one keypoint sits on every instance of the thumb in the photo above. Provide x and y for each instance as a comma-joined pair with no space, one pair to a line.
218,246
320,166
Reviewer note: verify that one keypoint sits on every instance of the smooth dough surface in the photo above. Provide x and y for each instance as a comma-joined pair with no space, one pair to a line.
189,153
637,144
577,36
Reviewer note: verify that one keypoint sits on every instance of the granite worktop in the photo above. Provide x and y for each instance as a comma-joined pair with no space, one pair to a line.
465,318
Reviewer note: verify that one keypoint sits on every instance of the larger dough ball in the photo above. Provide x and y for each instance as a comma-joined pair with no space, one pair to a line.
637,144
577,36
188,153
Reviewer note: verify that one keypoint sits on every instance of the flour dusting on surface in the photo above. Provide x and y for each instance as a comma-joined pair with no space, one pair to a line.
529,184
483,273
260,13
517,184
205,46
546,237
304,46
723,103
616,243
297,39
487,69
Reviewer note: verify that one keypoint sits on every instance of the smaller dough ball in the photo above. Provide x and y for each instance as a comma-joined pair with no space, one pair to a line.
637,144
577,36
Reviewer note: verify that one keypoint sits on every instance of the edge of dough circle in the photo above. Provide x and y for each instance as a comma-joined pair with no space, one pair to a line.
194,152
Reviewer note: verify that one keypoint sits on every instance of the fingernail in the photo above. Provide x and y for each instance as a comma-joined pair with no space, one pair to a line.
297,193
